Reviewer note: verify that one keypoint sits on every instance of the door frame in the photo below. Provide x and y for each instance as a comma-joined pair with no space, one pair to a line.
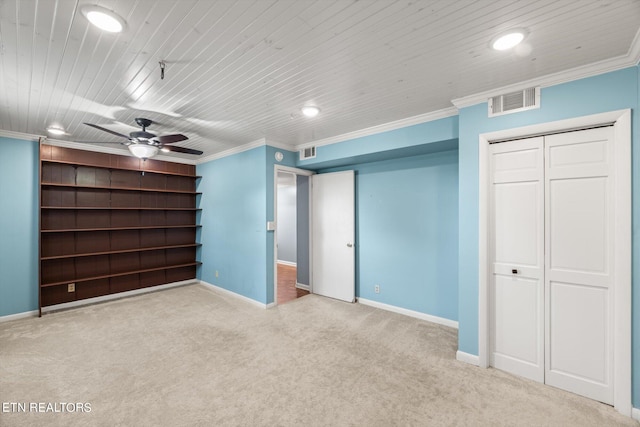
295,171
622,233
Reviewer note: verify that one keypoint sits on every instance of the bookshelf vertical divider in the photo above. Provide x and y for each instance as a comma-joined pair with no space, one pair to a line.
112,223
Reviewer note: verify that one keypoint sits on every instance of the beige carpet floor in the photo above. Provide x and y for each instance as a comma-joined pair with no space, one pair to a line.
191,357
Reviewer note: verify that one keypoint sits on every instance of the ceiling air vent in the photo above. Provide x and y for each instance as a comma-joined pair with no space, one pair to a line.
307,153
513,102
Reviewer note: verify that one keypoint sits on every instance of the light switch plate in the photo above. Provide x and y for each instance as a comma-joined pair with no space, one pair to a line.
271,225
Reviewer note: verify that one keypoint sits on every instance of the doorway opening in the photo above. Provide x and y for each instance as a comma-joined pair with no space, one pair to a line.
292,235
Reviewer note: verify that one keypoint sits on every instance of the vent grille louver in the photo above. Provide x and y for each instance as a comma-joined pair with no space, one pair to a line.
514,102
308,153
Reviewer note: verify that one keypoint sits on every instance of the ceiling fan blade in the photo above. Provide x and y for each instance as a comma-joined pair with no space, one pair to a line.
107,130
170,139
181,150
102,142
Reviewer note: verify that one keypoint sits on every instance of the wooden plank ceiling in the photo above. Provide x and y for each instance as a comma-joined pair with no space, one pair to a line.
239,71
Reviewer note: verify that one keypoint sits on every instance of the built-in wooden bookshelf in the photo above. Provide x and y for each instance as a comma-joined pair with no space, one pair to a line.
111,223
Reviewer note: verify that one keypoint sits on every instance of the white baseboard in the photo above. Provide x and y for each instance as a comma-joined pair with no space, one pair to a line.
471,359
218,289
24,315
112,297
410,313
635,413
289,263
303,287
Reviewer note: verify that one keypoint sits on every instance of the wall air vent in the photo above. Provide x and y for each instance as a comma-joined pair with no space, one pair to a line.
514,102
307,153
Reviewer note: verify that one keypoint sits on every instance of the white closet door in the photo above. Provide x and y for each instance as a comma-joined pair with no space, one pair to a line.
517,257
579,261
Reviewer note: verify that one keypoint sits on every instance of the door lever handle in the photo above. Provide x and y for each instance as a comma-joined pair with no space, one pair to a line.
349,245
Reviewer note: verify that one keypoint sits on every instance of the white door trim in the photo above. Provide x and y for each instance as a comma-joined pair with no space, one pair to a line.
294,171
622,268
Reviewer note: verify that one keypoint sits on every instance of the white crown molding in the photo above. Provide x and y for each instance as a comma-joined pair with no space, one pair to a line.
235,150
281,145
20,135
112,150
397,124
577,73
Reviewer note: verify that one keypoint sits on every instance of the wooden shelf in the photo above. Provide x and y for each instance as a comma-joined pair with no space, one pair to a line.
65,162
152,227
106,208
114,223
127,273
104,187
123,251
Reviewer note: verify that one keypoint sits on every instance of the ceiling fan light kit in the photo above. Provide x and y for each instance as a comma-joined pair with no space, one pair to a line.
143,151
145,145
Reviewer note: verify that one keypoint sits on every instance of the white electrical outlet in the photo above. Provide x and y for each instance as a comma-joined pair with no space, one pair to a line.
216,273
71,287
376,289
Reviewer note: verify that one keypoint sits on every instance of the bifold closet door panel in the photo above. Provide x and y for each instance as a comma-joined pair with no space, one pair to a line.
579,262
517,256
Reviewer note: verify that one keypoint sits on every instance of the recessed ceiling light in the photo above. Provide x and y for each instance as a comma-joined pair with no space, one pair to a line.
310,110
104,19
55,130
508,40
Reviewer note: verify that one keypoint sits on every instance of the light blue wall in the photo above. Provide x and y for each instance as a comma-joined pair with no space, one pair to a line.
407,232
237,201
608,92
18,226
233,222
424,138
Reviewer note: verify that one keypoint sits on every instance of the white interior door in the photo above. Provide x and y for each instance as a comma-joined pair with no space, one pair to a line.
579,262
333,235
517,256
